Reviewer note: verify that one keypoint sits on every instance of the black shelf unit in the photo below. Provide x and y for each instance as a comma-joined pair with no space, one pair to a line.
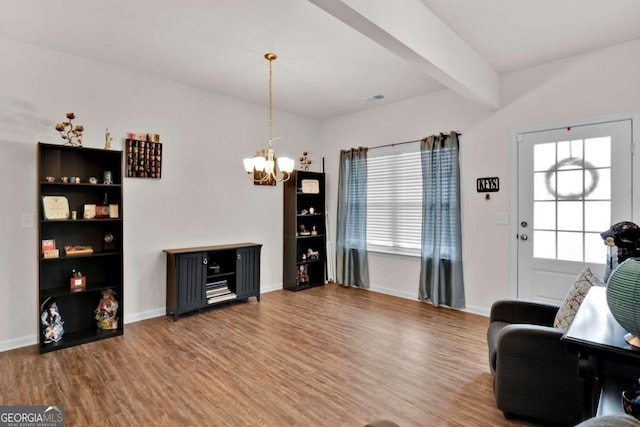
103,269
206,276
299,270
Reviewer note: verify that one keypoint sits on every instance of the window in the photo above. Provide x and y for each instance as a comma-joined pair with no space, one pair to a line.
394,202
572,199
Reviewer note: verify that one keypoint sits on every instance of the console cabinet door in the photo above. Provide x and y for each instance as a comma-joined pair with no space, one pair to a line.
191,277
248,272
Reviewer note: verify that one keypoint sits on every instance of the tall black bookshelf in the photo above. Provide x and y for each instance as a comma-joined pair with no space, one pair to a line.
304,243
80,228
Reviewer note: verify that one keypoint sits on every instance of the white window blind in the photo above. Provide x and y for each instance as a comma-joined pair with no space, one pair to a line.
394,202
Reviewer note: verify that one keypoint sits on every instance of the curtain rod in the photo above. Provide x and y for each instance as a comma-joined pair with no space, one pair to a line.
401,143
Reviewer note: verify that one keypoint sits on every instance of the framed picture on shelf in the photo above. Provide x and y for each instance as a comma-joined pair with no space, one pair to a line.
55,207
49,249
102,211
310,186
89,211
48,245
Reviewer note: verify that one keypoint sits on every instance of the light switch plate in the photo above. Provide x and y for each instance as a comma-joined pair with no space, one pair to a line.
27,220
502,218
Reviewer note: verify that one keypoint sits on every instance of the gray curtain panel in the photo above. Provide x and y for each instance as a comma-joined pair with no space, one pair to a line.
441,279
351,235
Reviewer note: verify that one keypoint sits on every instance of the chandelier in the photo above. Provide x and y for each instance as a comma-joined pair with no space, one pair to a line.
262,167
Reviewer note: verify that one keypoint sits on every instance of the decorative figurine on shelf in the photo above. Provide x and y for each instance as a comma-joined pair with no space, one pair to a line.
304,161
623,242
314,232
107,310
302,276
72,134
107,140
312,211
52,324
304,231
304,212
311,254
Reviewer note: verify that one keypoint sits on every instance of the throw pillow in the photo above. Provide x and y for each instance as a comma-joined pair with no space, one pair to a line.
569,307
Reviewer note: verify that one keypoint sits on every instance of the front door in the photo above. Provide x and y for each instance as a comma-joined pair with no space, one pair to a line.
573,183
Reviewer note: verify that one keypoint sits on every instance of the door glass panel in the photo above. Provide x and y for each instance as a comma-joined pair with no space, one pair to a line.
597,216
570,216
594,248
540,189
570,155
544,215
545,244
599,182
570,246
570,184
544,156
597,152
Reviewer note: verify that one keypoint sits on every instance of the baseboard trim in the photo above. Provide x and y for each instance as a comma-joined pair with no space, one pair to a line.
271,288
144,315
393,292
15,343
28,340
411,296
12,344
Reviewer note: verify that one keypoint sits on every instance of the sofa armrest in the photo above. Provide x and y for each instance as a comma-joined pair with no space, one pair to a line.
522,311
536,375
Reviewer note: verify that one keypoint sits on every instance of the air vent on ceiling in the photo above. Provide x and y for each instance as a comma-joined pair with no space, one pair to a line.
373,98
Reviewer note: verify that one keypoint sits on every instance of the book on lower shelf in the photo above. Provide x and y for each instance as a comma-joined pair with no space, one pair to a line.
216,292
216,284
220,298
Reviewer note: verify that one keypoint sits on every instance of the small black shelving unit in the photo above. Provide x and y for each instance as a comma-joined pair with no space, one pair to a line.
304,261
206,276
103,268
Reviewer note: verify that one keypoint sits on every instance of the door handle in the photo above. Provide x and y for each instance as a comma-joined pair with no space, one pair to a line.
524,237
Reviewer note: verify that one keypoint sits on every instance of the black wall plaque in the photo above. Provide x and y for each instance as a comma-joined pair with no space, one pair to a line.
488,185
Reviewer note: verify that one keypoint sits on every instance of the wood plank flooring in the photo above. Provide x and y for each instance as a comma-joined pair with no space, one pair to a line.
328,356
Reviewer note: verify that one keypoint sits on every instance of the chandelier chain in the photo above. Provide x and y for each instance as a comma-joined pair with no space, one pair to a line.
270,106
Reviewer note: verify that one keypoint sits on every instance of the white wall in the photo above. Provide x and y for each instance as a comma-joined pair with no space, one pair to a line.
600,83
204,196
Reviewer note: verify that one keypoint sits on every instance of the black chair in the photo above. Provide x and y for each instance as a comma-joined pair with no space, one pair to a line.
534,375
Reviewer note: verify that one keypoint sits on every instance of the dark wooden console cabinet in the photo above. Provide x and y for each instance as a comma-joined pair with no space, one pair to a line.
607,363
206,276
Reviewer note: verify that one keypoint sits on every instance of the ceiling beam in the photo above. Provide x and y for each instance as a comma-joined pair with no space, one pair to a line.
410,30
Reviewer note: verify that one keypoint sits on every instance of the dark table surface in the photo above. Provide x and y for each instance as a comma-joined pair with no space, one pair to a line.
595,328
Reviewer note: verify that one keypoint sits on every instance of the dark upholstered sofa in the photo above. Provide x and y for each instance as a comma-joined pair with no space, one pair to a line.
534,375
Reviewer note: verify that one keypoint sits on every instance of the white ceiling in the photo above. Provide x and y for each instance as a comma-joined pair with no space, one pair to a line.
325,67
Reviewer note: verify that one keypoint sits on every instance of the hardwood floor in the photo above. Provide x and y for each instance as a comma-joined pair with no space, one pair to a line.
328,356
